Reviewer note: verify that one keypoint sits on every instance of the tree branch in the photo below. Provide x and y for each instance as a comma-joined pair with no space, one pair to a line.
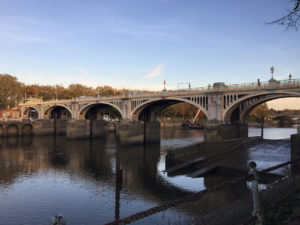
290,20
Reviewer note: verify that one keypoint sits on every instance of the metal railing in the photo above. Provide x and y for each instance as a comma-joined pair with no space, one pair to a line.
195,196
280,84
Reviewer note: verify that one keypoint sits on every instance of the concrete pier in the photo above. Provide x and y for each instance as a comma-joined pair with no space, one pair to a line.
130,132
99,128
77,129
221,132
135,132
152,132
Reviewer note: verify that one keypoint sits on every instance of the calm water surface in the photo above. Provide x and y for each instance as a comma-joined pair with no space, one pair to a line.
43,176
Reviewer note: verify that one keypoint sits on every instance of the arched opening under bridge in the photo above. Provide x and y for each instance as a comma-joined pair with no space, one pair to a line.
170,109
31,113
100,111
58,112
239,112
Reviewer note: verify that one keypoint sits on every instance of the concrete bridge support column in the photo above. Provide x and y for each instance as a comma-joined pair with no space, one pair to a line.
135,132
130,132
152,132
77,129
99,128
60,127
43,127
221,132
3,132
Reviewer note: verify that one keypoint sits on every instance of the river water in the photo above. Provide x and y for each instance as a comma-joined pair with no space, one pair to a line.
44,176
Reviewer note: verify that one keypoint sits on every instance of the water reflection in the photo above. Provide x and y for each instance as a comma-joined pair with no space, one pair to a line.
96,181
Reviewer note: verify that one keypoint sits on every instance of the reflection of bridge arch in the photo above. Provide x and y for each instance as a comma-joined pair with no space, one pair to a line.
31,112
83,111
61,111
161,103
240,109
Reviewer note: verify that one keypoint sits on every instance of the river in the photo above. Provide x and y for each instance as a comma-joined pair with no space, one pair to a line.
44,176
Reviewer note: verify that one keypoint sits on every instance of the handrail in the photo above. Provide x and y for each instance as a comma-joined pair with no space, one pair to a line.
272,84
190,197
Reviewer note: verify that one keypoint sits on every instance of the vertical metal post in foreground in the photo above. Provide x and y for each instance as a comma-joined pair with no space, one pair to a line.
254,186
262,128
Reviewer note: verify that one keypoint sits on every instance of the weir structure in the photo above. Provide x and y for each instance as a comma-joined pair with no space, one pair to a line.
226,108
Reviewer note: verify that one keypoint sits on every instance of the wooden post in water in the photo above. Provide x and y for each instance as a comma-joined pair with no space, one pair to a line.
262,128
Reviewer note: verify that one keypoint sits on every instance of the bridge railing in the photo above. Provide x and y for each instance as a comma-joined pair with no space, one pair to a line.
231,87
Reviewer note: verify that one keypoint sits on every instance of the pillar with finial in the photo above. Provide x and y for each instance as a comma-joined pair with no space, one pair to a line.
165,82
272,72
272,81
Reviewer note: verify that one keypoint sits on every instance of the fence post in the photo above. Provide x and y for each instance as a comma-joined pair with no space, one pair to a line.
254,186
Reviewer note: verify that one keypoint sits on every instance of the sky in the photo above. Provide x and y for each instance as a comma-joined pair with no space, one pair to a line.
137,44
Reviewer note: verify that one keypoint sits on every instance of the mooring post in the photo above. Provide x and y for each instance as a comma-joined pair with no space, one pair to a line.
256,203
262,128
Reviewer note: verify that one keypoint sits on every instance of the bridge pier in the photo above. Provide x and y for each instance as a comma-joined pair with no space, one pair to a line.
77,129
136,132
43,127
220,132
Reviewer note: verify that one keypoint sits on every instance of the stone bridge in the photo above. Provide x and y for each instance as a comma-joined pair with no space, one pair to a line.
223,103
225,108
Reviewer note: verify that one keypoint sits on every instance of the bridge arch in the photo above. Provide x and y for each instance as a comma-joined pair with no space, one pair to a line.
30,112
12,130
239,110
165,102
93,109
61,111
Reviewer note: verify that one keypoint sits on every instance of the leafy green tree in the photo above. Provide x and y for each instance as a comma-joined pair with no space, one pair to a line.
10,91
260,113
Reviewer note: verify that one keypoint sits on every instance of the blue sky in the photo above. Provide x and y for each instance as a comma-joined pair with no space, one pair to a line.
140,43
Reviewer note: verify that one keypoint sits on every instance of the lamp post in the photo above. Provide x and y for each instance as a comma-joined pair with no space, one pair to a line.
165,82
272,71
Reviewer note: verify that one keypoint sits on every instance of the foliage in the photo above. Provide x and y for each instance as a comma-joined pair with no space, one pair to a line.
10,91
260,113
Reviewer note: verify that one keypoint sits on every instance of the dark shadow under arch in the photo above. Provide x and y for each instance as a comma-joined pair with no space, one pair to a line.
150,110
58,112
100,111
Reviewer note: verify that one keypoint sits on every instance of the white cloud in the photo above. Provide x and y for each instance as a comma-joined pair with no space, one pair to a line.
83,72
155,72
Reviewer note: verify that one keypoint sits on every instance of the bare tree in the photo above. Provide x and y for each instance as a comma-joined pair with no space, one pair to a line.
292,19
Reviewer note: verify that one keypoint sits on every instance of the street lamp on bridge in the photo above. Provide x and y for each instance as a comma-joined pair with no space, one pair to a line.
272,71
